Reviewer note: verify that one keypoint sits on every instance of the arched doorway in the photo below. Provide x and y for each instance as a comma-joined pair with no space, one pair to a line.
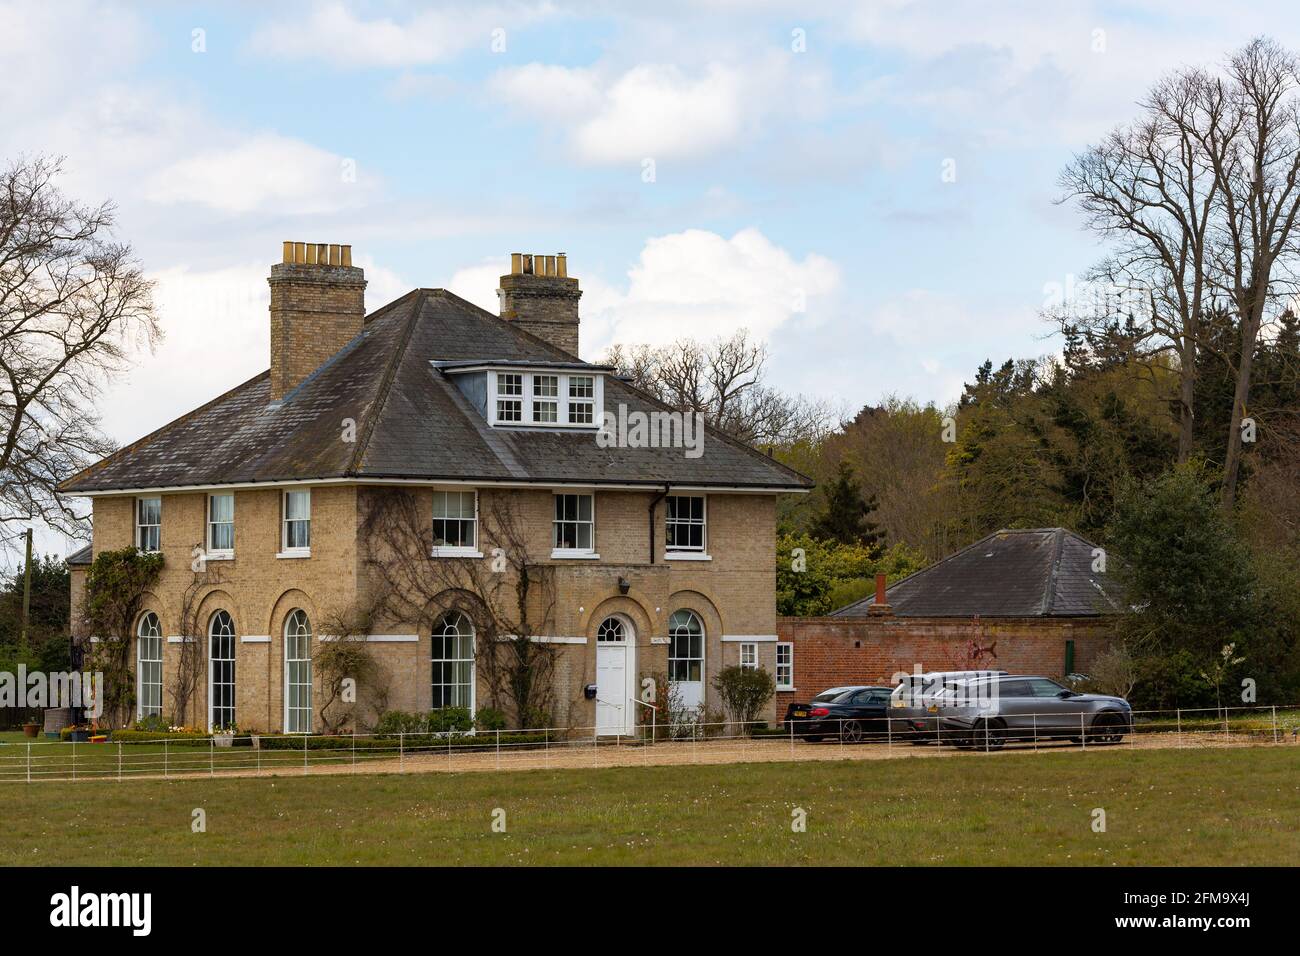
615,672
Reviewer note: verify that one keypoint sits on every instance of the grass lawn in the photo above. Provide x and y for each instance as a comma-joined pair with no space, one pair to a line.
1169,807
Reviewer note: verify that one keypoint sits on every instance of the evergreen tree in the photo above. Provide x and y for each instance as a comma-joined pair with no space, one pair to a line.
846,515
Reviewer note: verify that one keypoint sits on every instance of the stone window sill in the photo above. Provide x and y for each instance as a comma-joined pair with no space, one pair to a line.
303,553
687,556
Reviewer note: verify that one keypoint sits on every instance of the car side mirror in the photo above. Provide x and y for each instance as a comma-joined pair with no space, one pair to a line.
1065,693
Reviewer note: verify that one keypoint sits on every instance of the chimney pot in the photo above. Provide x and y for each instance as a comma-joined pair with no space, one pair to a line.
880,607
542,298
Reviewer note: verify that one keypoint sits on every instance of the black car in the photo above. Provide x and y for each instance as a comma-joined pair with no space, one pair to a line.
850,713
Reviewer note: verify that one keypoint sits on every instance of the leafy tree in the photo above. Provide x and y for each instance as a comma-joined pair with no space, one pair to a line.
115,588
1192,589
815,577
49,603
846,514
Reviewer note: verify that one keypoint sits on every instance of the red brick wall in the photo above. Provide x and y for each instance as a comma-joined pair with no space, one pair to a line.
832,651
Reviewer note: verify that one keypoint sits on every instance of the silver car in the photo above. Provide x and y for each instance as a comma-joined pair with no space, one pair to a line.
913,705
987,712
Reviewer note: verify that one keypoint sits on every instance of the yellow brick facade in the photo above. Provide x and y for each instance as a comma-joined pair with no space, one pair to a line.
733,593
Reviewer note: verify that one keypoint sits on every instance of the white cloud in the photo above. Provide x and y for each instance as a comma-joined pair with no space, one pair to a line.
657,110
333,33
266,170
692,284
698,284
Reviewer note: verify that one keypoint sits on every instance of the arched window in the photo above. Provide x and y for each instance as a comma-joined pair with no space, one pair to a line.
149,662
221,671
611,630
453,661
686,646
297,673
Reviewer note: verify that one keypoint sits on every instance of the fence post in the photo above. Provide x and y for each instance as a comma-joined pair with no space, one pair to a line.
889,730
791,723
164,758
304,753
1035,716
401,753
74,758
1083,734
29,746
1178,717
498,747
841,737
212,756
448,751
546,746
695,739
29,763
119,760
354,747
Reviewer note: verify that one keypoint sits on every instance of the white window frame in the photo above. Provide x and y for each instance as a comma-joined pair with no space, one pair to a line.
214,553
788,666
139,527
673,647
437,633
688,553
521,399
285,550
234,674
529,399
452,550
578,553
291,714
156,643
749,649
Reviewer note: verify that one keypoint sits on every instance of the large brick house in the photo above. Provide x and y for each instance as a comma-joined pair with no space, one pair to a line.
662,557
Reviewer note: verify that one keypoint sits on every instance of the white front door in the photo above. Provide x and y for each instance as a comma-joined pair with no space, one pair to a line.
614,666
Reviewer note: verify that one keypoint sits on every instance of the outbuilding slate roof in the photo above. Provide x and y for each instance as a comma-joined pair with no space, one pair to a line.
411,421
1042,572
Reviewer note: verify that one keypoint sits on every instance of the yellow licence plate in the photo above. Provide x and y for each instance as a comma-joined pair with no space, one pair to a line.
933,708
801,713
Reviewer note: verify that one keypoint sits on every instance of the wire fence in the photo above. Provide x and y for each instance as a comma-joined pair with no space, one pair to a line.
915,732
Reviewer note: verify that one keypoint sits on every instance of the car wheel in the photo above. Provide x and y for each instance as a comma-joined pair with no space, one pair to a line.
988,735
851,732
1108,728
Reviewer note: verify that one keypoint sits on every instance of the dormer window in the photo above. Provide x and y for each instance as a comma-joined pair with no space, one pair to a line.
582,397
510,397
541,397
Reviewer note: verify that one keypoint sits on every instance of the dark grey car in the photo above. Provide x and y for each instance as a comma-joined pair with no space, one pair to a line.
988,712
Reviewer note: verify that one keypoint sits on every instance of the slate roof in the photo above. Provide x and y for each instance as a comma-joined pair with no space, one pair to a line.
411,421
1042,572
80,557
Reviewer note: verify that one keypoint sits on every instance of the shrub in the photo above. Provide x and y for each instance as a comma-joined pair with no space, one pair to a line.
154,723
448,720
152,737
490,718
744,692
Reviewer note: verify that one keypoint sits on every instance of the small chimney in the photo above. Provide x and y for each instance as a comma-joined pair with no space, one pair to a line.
880,608
539,295
318,305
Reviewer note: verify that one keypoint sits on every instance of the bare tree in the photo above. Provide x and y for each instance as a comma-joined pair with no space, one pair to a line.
1151,189
1199,199
723,381
509,595
72,302
1259,180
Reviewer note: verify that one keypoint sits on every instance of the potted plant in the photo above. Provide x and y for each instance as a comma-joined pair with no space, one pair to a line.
79,734
31,728
223,736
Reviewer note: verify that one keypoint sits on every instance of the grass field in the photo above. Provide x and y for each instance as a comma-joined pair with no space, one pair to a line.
1203,807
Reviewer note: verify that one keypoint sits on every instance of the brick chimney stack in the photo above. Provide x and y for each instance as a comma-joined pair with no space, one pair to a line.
539,295
880,607
318,305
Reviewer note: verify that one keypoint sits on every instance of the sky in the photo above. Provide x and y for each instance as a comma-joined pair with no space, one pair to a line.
869,188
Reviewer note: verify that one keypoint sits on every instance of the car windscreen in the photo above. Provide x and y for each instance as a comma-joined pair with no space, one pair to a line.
830,696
